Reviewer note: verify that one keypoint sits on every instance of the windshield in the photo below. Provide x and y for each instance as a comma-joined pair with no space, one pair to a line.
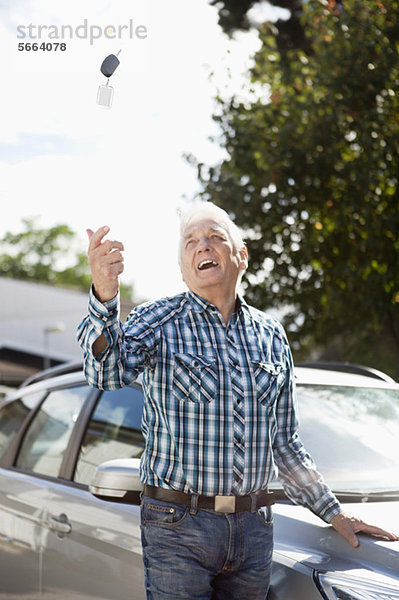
352,434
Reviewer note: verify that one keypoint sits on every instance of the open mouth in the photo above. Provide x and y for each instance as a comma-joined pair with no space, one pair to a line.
207,264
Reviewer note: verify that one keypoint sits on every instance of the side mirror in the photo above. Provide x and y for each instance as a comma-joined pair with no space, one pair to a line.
118,480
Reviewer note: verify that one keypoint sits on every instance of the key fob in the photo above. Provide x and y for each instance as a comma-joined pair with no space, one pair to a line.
109,65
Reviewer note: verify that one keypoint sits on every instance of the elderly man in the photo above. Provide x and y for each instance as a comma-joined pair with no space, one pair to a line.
219,416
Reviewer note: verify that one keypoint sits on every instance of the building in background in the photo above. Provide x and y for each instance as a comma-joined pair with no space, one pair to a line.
38,327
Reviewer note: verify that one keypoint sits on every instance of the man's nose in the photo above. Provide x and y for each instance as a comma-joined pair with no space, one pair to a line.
203,245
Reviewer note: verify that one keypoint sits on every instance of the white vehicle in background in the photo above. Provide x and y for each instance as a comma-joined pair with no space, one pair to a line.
69,489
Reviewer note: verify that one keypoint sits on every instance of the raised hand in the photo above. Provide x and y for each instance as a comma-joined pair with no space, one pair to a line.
106,263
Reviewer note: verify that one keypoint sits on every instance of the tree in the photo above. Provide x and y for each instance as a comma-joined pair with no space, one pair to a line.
39,254
312,178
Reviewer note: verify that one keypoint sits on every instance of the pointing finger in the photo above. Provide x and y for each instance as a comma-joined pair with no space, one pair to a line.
96,237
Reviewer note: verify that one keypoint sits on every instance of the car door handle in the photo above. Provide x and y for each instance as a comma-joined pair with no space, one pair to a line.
60,524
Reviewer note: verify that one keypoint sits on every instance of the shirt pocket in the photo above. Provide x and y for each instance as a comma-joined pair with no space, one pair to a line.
269,378
194,378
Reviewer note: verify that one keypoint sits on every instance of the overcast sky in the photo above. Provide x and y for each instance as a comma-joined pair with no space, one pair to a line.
70,161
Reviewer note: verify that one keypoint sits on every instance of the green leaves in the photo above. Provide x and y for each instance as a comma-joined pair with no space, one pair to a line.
32,252
47,255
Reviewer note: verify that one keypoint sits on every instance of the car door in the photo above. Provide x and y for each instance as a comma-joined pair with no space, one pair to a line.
26,485
100,555
12,415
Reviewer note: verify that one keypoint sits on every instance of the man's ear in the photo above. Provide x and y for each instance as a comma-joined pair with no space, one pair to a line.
243,259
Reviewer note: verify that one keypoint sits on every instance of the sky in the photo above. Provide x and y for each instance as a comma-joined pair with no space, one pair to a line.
67,160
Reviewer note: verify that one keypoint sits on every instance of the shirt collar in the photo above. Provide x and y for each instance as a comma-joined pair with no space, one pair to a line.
199,304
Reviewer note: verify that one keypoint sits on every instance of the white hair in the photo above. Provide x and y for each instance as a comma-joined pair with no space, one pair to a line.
208,210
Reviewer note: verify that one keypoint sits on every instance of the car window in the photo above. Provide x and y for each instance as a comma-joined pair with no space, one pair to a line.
352,433
46,440
114,431
12,415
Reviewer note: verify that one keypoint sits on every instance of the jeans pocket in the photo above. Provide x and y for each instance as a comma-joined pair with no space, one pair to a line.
194,378
269,378
159,512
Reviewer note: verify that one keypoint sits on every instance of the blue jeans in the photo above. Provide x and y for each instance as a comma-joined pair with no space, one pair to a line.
205,555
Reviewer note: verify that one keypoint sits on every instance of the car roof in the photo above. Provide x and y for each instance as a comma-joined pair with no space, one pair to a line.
315,376
73,374
75,378
58,380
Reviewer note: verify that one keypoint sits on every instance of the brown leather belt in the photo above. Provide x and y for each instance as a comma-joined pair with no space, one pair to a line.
223,504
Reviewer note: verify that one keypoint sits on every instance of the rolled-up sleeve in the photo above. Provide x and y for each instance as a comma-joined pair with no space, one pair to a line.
297,471
126,354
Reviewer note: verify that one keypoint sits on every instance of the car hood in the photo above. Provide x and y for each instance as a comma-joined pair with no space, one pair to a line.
302,536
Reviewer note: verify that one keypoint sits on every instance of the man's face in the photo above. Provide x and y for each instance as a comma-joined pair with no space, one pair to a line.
209,262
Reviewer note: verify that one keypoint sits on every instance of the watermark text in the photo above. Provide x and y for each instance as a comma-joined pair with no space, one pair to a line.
84,31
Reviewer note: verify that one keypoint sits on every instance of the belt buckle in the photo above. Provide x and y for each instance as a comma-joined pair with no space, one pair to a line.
225,504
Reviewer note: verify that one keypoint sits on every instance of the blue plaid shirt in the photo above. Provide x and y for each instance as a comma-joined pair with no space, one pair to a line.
195,368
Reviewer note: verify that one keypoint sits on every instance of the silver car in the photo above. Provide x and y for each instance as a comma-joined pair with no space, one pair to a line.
69,490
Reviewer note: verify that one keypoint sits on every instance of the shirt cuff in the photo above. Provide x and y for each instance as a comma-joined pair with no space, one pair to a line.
327,507
103,314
